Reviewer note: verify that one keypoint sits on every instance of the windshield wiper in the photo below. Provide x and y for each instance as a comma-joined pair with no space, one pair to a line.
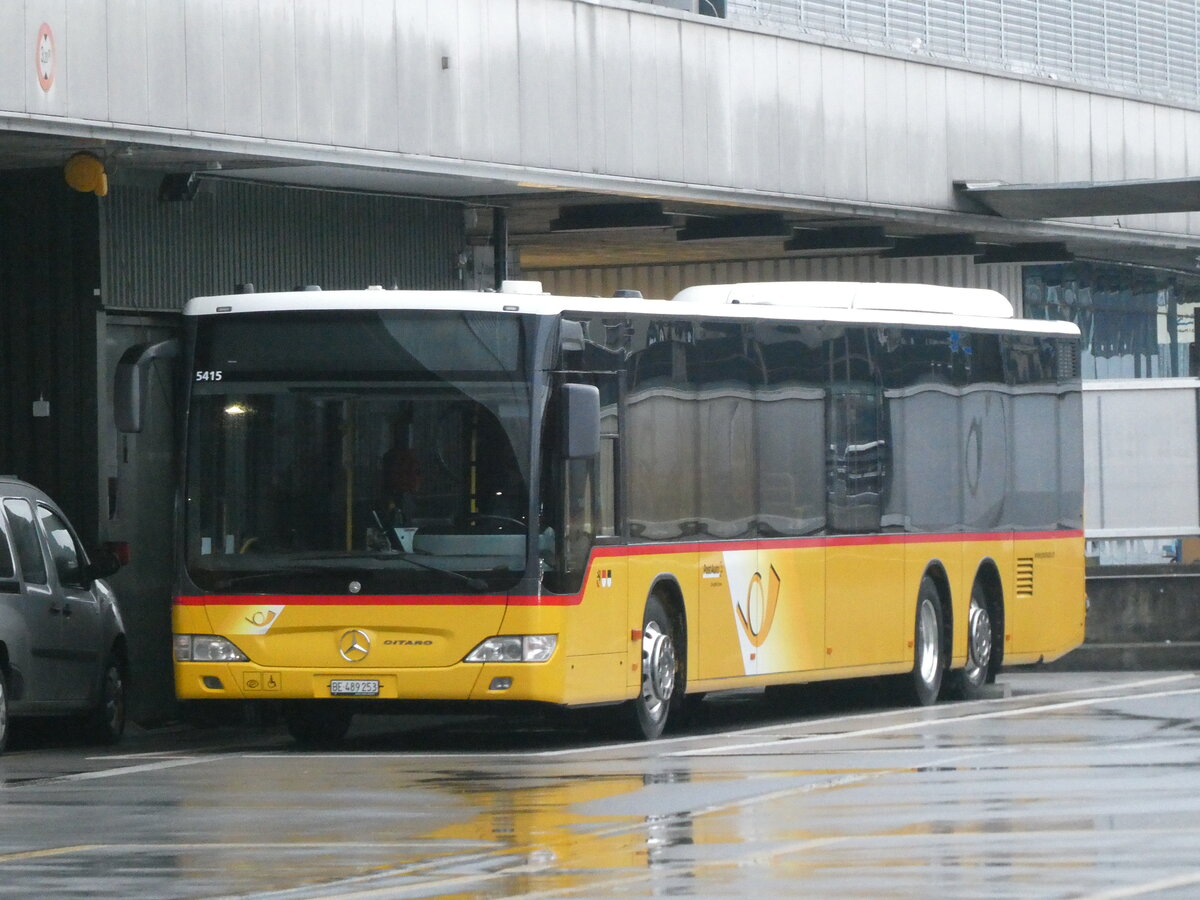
242,577
477,584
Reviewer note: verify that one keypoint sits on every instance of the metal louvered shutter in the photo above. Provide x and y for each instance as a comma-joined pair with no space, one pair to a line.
1146,47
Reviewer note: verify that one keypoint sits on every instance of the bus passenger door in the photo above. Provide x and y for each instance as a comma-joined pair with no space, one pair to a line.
787,608
864,602
777,598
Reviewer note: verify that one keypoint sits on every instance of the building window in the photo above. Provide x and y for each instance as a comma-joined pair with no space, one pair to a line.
1136,323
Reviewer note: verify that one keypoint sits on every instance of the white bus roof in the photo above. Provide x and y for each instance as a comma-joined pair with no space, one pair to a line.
855,295
836,301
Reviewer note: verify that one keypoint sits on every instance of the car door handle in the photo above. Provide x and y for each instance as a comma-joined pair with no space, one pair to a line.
64,610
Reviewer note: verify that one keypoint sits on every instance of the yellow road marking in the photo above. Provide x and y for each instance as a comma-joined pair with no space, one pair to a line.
50,851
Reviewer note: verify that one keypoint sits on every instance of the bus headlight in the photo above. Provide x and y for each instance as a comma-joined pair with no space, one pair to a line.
515,648
206,648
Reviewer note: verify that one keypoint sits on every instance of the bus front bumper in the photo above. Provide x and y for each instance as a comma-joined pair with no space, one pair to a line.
541,682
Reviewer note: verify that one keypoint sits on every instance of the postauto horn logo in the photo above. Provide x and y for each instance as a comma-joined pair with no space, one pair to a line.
759,611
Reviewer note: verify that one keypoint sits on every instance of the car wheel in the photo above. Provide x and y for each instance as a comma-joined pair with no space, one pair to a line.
318,723
3,710
106,721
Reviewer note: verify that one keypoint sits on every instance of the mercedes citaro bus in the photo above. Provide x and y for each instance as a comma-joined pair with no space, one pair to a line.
512,496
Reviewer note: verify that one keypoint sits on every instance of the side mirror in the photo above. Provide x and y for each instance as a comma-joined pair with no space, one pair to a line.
571,336
581,420
104,562
132,376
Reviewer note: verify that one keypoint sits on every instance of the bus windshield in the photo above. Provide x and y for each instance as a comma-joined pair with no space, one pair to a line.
358,452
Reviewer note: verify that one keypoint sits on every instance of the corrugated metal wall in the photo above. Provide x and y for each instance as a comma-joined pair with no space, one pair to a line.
49,271
1144,47
157,254
666,280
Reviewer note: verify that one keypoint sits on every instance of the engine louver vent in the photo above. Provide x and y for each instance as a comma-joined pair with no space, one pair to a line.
1025,576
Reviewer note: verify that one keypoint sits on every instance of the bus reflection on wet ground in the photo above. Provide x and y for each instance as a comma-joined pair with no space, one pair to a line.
1055,785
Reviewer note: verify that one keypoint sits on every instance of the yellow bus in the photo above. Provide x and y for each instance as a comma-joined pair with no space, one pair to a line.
510,496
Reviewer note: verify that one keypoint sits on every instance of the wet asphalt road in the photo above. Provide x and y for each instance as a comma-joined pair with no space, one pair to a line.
1061,785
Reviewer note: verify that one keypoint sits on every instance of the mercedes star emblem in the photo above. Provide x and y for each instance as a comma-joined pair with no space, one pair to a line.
354,646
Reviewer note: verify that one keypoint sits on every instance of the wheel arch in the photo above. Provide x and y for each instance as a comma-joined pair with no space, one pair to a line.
935,571
14,689
120,652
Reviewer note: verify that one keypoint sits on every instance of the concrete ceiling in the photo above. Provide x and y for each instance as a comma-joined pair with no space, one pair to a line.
535,212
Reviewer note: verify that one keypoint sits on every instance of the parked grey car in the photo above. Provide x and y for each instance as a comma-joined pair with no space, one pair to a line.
62,641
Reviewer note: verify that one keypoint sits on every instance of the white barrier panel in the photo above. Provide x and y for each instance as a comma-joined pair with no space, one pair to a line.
1141,469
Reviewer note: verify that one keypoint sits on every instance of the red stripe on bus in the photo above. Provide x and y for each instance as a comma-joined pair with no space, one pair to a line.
379,600
341,600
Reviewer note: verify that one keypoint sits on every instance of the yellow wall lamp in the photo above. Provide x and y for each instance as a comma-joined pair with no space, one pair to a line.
85,173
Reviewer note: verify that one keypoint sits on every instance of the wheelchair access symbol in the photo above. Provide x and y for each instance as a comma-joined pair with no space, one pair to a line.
261,681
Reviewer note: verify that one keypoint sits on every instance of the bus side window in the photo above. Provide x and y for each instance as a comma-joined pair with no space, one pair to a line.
858,467
579,530
604,512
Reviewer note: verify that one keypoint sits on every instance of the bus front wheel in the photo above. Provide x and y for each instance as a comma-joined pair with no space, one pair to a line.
925,680
660,669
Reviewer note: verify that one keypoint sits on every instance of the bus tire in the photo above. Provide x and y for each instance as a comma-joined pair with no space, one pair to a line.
659,671
317,723
968,682
925,680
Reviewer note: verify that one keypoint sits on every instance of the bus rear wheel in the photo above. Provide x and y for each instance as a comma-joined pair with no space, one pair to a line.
660,669
925,680
967,683
317,723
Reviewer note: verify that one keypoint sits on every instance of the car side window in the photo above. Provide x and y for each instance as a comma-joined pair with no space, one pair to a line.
8,568
25,538
68,561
